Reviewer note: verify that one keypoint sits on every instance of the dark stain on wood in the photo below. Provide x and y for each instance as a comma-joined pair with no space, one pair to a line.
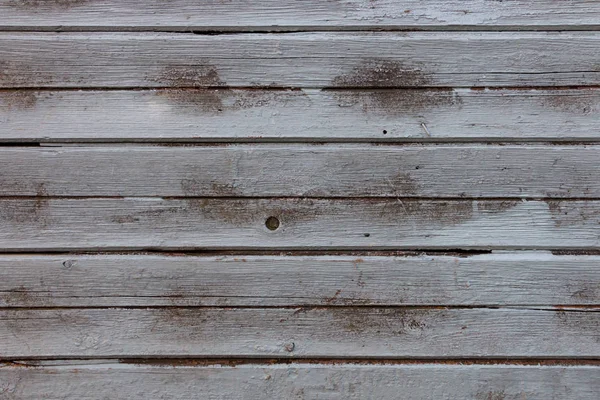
582,323
386,88
434,212
124,219
216,101
195,187
397,102
404,185
573,103
46,5
491,395
18,99
588,292
19,297
567,214
244,213
382,74
202,75
385,322
495,207
27,210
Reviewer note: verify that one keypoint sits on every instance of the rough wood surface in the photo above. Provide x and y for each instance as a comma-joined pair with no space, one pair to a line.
309,114
275,15
145,280
141,223
330,59
290,170
300,381
299,332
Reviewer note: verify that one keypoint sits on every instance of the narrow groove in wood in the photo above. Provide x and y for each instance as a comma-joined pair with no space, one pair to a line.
217,31
234,362
576,308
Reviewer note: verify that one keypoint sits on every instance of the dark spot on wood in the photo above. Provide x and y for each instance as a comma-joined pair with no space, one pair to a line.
124,219
216,101
382,74
403,185
495,207
18,297
381,321
566,213
380,81
588,292
580,323
577,103
246,213
195,321
190,76
399,102
27,210
433,212
45,5
491,395
18,99
195,187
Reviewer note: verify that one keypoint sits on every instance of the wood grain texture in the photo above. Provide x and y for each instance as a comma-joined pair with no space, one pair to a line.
230,115
143,280
331,59
300,381
276,15
298,170
299,332
150,223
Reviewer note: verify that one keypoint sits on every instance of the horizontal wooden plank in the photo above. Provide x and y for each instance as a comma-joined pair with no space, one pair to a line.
145,280
275,15
298,115
300,332
331,59
140,223
290,170
302,381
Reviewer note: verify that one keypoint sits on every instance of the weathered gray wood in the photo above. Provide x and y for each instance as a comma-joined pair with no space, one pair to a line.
334,170
301,332
308,114
291,15
144,280
140,223
331,59
300,381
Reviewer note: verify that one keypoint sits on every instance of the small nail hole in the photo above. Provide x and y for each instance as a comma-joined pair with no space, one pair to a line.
367,234
272,223
384,132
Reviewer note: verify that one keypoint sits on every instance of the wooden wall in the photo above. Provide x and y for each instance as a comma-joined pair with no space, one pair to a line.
280,199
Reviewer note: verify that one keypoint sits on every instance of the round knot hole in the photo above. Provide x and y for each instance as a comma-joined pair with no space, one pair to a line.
272,223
